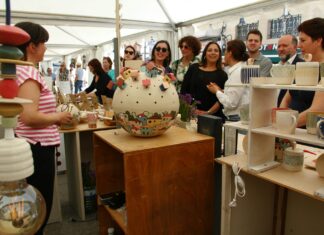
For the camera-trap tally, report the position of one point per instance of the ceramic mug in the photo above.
(307, 73)
(322, 73)
(283, 74)
(320, 165)
(244, 114)
(273, 115)
(286, 121)
(248, 71)
(293, 159)
(320, 127)
(311, 121)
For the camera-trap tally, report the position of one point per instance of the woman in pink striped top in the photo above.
(38, 121)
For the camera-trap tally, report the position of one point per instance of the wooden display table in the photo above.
(168, 181)
(78, 148)
(256, 211)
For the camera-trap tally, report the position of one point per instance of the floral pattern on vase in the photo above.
(144, 108)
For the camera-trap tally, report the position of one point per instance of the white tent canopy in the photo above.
(80, 24)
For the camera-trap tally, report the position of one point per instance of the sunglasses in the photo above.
(129, 52)
(158, 49)
(184, 47)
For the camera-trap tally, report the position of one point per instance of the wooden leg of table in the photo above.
(74, 173)
(226, 198)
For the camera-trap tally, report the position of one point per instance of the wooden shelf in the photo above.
(118, 218)
(237, 125)
(305, 181)
(290, 87)
(300, 135)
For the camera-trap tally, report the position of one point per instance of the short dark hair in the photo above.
(192, 42)
(203, 56)
(313, 28)
(254, 31)
(238, 49)
(38, 34)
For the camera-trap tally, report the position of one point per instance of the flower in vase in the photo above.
(187, 107)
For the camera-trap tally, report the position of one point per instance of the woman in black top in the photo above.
(200, 75)
(101, 81)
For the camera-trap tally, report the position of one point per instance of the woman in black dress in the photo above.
(200, 75)
(101, 81)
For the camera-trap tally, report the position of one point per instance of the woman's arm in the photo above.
(317, 105)
(30, 89)
(286, 100)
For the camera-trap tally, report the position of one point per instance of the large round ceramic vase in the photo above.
(145, 106)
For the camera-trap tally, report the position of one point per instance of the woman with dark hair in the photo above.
(198, 76)
(130, 53)
(232, 98)
(311, 41)
(38, 121)
(190, 47)
(107, 67)
(160, 57)
(101, 81)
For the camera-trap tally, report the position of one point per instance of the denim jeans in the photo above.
(78, 86)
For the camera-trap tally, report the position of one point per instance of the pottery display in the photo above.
(145, 105)
(293, 159)
(75, 112)
(320, 165)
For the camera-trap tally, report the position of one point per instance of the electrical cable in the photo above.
(239, 184)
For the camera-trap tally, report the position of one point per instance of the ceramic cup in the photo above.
(273, 115)
(248, 71)
(311, 121)
(307, 73)
(320, 127)
(244, 114)
(283, 74)
(322, 73)
(286, 121)
(293, 159)
(320, 165)
(92, 119)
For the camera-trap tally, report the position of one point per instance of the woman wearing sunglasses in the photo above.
(160, 57)
(190, 47)
(129, 54)
(200, 75)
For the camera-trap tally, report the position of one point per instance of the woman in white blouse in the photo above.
(232, 98)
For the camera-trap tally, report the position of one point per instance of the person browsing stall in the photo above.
(232, 98)
(253, 44)
(311, 41)
(101, 83)
(160, 57)
(287, 52)
(199, 75)
(190, 47)
(107, 67)
(38, 121)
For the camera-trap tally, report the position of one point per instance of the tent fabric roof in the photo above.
(78, 24)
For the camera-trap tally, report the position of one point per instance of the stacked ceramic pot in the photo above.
(22, 207)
